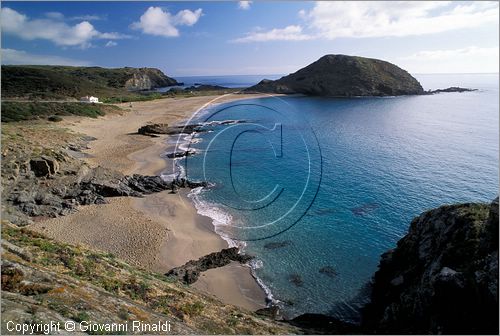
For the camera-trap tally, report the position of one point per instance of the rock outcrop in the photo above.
(44, 189)
(190, 271)
(450, 89)
(44, 166)
(153, 129)
(147, 79)
(344, 76)
(442, 278)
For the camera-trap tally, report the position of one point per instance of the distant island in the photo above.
(348, 76)
(345, 76)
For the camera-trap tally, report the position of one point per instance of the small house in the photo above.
(89, 99)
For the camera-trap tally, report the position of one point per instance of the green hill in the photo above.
(60, 82)
(344, 76)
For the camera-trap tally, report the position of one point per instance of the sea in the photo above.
(318, 188)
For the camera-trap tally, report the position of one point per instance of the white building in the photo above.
(89, 99)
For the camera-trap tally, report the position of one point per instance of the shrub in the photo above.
(54, 118)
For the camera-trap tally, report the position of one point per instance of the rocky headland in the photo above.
(441, 278)
(348, 76)
(147, 79)
(68, 82)
(344, 76)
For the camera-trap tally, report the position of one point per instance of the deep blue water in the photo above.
(336, 182)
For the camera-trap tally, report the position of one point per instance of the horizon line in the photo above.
(416, 73)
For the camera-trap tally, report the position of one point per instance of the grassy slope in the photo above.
(18, 111)
(70, 282)
(62, 82)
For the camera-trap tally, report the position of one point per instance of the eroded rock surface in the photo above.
(190, 272)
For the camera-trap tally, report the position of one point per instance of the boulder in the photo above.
(153, 129)
(44, 166)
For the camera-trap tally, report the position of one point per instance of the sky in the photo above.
(237, 38)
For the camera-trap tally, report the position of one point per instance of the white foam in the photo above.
(221, 220)
(179, 172)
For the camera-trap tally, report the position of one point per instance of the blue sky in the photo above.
(221, 38)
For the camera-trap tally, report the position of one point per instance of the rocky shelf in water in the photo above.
(448, 90)
(190, 271)
(155, 129)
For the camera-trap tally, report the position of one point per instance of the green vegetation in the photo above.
(61, 82)
(17, 111)
(54, 118)
(192, 309)
(132, 98)
(87, 285)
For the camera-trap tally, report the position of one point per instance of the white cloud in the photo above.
(396, 18)
(462, 60)
(448, 54)
(289, 33)
(60, 16)
(54, 30)
(54, 15)
(159, 22)
(357, 19)
(187, 17)
(244, 4)
(111, 44)
(113, 36)
(13, 56)
(91, 17)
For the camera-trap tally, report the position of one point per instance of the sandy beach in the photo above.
(159, 231)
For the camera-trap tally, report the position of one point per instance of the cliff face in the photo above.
(345, 76)
(147, 79)
(442, 277)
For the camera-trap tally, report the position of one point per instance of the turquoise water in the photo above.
(306, 183)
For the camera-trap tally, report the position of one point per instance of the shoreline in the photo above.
(161, 230)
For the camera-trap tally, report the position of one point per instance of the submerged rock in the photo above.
(277, 245)
(329, 271)
(365, 209)
(296, 279)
